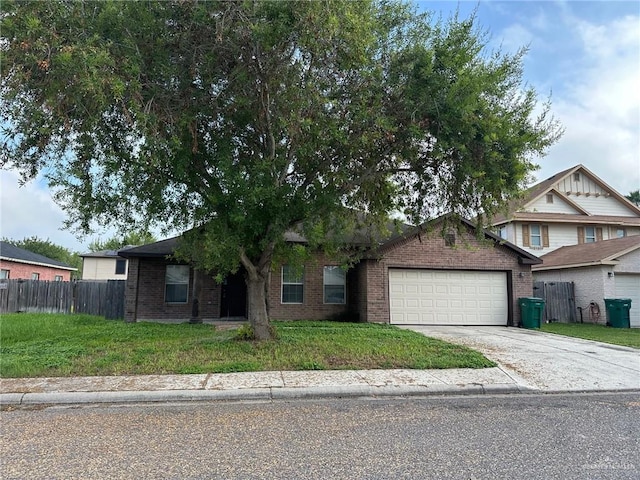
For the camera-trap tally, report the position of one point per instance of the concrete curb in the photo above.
(252, 394)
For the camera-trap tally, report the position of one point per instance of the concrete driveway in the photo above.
(546, 361)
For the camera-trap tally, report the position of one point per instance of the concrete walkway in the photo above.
(548, 362)
(529, 361)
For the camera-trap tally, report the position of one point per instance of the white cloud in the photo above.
(29, 211)
(600, 104)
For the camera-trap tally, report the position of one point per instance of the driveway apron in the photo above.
(547, 361)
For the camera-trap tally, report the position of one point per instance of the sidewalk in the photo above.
(258, 386)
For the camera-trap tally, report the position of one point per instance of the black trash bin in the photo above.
(531, 309)
(618, 312)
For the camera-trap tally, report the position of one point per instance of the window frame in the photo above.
(123, 263)
(5, 274)
(343, 284)
(58, 278)
(549, 198)
(35, 276)
(590, 238)
(535, 235)
(185, 283)
(289, 282)
(620, 231)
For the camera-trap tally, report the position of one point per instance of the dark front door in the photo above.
(234, 296)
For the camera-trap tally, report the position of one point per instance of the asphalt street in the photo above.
(527, 436)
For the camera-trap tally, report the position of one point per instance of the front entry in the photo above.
(233, 301)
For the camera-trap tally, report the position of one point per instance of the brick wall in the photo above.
(430, 251)
(145, 293)
(367, 284)
(313, 306)
(24, 271)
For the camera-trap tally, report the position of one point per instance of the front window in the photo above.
(121, 266)
(176, 284)
(535, 236)
(35, 276)
(4, 274)
(334, 285)
(292, 285)
(58, 278)
(589, 234)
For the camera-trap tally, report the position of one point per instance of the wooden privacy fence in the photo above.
(560, 301)
(95, 298)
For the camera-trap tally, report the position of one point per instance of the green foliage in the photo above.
(634, 197)
(250, 119)
(116, 243)
(49, 250)
(628, 337)
(245, 332)
(42, 345)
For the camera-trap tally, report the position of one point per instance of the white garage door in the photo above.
(448, 297)
(628, 286)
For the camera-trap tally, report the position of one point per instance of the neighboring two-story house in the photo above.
(570, 208)
(585, 233)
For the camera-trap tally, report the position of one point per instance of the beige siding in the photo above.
(100, 269)
(558, 206)
(602, 205)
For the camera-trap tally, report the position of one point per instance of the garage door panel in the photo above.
(448, 297)
(628, 286)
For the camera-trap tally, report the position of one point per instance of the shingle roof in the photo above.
(604, 252)
(162, 248)
(535, 191)
(166, 247)
(106, 253)
(16, 254)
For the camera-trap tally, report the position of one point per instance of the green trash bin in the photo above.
(618, 312)
(531, 309)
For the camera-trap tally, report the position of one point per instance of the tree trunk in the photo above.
(256, 295)
(257, 284)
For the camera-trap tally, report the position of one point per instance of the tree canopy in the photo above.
(238, 121)
(634, 197)
(117, 242)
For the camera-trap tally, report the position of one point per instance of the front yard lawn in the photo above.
(54, 345)
(628, 337)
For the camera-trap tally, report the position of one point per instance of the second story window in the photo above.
(621, 232)
(535, 236)
(589, 234)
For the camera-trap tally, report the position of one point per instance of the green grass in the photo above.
(628, 337)
(51, 345)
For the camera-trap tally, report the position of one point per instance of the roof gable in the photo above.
(573, 183)
(524, 257)
(12, 253)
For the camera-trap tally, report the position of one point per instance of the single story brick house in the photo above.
(19, 264)
(416, 277)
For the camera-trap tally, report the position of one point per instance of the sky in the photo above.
(584, 55)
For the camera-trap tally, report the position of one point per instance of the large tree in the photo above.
(238, 121)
